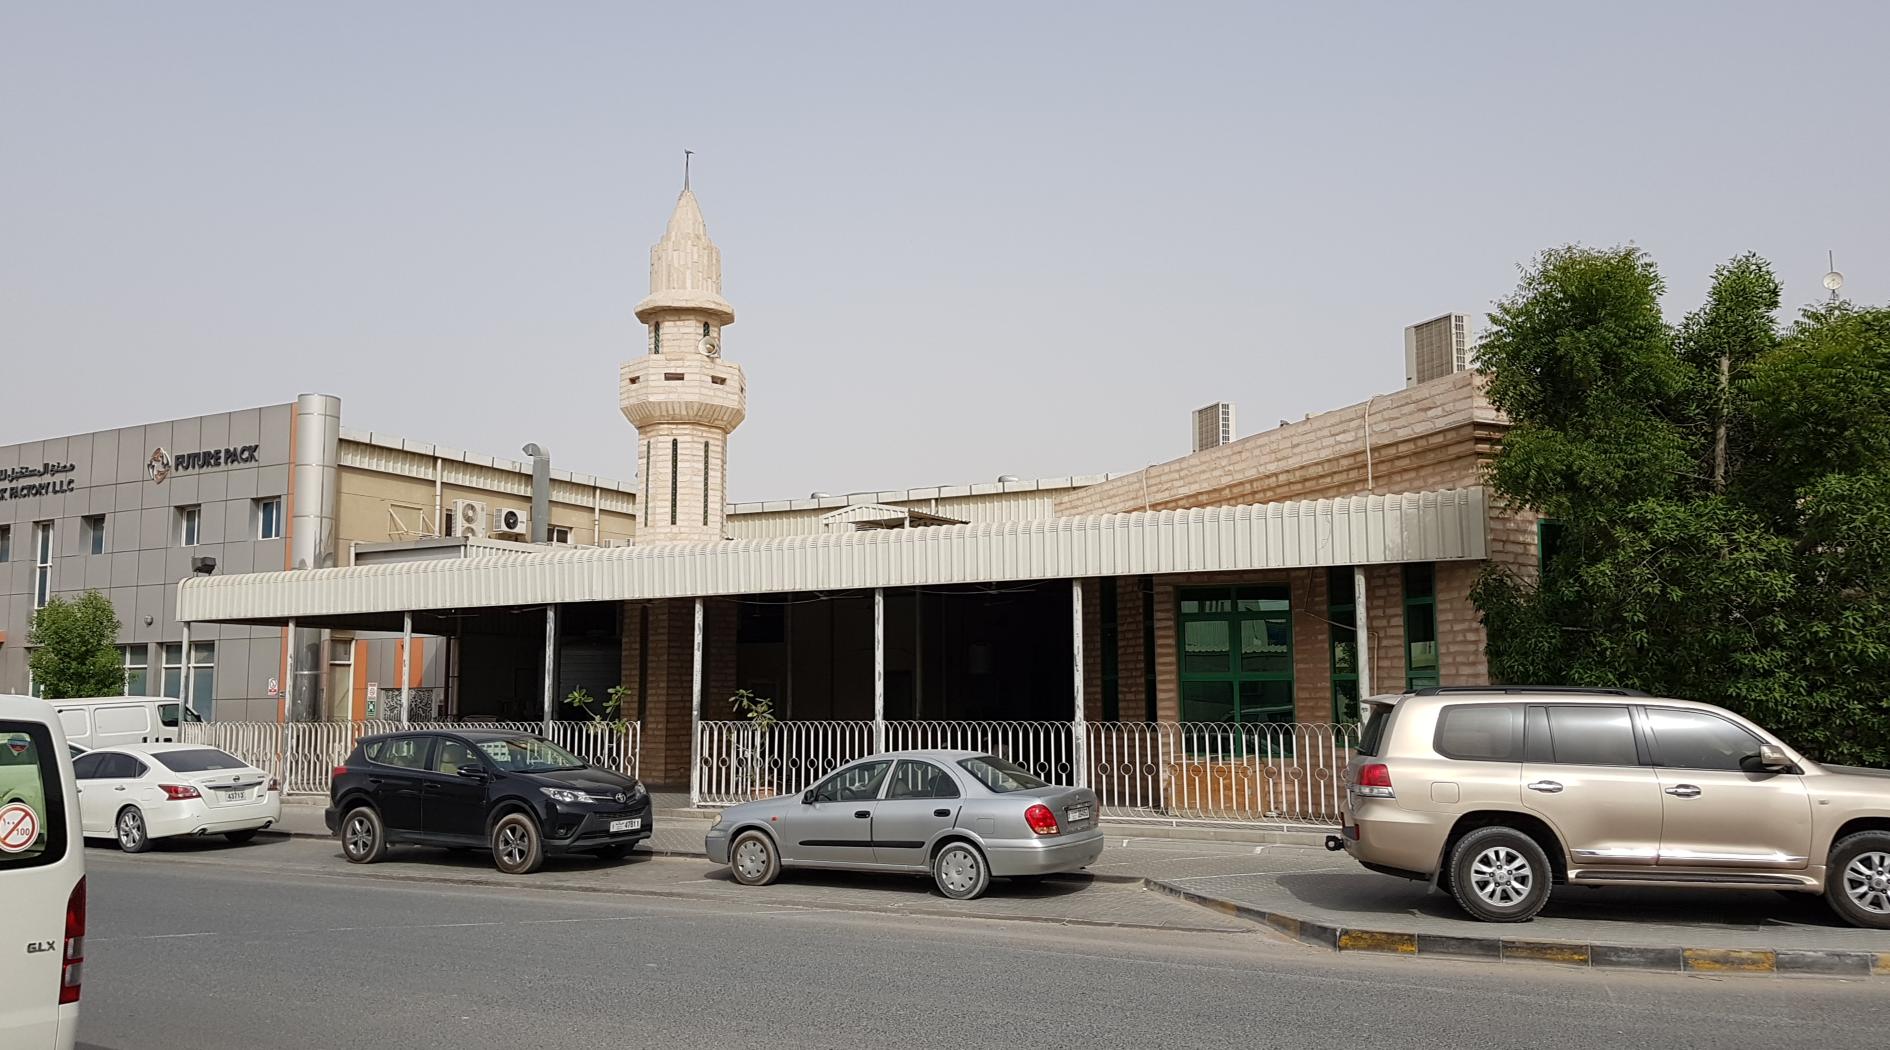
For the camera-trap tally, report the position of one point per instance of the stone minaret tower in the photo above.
(682, 397)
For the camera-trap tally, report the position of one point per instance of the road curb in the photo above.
(1565, 953)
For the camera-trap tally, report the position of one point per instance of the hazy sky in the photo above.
(962, 240)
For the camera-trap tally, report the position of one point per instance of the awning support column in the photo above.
(1361, 640)
(695, 716)
(183, 688)
(879, 670)
(1079, 730)
(406, 666)
(551, 666)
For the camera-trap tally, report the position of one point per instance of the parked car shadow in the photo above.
(904, 885)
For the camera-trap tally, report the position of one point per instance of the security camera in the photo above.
(203, 566)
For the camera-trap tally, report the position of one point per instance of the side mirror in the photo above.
(807, 797)
(1773, 760)
(474, 773)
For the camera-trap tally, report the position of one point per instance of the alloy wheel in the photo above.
(360, 837)
(130, 829)
(1501, 876)
(513, 845)
(1867, 882)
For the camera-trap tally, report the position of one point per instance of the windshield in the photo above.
(528, 754)
(199, 760)
(1000, 776)
(167, 714)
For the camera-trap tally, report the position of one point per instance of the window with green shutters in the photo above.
(1236, 658)
(1420, 625)
(1341, 616)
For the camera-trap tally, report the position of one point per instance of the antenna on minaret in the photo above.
(686, 154)
(1833, 280)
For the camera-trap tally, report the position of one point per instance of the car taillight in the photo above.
(1041, 820)
(73, 971)
(339, 771)
(1374, 781)
(274, 785)
(179, 792)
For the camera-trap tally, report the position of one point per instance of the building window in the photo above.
(1341, 612)
(6, 543)
(202, 671)
(1236, 654)
(341, 677)
(137, 669)
(1420, 626)
(189, 525)
(560, 534)
(42, 563)
(1109, 626)
(92, 530)
(656, 337)
(269, 518)
(705, 484)
(675, 455)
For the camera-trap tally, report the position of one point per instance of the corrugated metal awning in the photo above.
(1448, 525)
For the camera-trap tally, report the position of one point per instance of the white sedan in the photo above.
(140, 792)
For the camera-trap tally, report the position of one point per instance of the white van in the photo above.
(42, 881)
(109, 721)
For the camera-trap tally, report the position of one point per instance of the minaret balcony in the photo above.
(683, 388)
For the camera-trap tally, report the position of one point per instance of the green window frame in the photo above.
(1342, 620)
(1422, 666)
(1235, 654)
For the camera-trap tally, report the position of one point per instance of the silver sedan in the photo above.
(962, 816)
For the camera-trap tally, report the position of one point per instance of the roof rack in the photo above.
(1527, 690)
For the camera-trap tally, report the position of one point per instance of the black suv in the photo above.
(519, 795)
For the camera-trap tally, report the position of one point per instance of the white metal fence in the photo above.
(303, 755)
(1170, 771)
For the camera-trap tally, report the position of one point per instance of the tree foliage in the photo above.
(1757, 577)
(75, 648)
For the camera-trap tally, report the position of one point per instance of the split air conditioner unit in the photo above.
(469, 519)
(510, 521)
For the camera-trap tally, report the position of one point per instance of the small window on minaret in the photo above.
(656, 337)
(705, 328)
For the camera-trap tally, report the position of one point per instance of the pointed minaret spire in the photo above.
(686, 267)
(686, 154)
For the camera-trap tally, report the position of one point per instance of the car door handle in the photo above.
(862, 813)
(1547, 787)
(120, 787)
(941, 812)
(1684, 791)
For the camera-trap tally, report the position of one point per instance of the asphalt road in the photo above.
(188, 955)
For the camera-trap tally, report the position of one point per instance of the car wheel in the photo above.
(133, 836)
(517, 848)
(1857, 881)
(960, 872)
(363, 839)
(1500, 875)
(240, 837)
(752, 859)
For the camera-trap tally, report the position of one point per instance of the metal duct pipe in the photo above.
(541, 492)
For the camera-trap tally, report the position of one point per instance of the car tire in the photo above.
(133, 835)
(613, 852)
(1500, 875)
(753, 860)
(363, 837)
(960, 872)
(240, 837)
(1857, 880)
(517, 847)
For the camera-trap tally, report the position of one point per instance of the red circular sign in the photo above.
(19, 827)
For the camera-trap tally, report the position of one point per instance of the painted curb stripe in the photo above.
(1729, 960)
(1377, 941)
(1547, 951)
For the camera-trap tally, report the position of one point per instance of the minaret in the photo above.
(682, 397)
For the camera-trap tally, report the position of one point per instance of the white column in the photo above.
(879, 670)
(406, 665)
(551, 666)
(1079, 731)
(1362, 640)
(695, 716)
(288, 713)
(183, 688)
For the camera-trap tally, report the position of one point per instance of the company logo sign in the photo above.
(163, 464)
(52, 486)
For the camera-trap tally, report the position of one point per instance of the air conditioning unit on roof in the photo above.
(469, 519)
(511, 521)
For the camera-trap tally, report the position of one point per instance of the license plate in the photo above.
(235, 796)
(1077, 814)
(633, 824)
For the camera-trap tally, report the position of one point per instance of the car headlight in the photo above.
(565, 795)
(637, 792)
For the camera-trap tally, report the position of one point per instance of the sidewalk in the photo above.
(1326, 899)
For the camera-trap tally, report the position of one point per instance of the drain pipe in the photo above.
(541, 491)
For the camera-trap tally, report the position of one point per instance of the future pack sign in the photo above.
(163, 464)
(15, 483)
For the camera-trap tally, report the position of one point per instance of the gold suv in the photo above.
(1496, 794)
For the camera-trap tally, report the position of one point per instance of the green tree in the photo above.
(75, 648)
(1720, 492)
